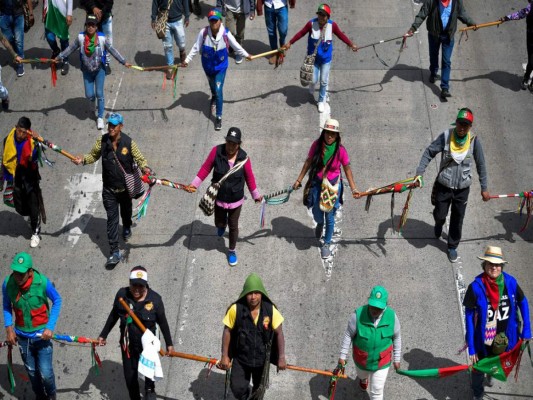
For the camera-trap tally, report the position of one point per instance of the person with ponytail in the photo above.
(324, 189)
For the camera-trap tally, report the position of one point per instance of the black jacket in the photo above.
(112, 175)
(105, 5)
(178, 8)
(430, 10)
(150, 311)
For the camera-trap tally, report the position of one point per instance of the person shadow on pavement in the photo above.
(512, 222)
(14, 225)
(451, 387)
(347, 389)
(411, 74)
(209, 386)
(504, 79)
(294, 232)
(109, 384)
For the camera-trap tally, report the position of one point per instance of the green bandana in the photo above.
(328, 151)
(459, 140)
(253, 284)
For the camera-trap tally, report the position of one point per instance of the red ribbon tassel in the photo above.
(54, 75)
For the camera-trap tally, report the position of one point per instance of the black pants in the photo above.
(27, 204)
(458, 199)
(240, 379)
(529, 66)
(230, 218)
(112, 201)
(130, 372)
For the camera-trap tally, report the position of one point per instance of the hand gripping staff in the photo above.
(280, 52)
(526, 200)
(396, 187)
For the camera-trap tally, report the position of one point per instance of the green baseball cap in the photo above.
(378, 297)
(22, 262)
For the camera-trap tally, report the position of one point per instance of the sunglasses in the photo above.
(91, 24)
(322, 14)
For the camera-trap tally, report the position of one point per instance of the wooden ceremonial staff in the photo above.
(381, 41)
(136, 319)
(37, 60)
(314, 371)
(485, 25)
(158, 68)
(266, 54)
(504, 196)
(54, 147)
(386, 189)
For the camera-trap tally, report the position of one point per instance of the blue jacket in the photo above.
(476, 318)
(324, 52)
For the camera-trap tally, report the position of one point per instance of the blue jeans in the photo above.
(435, 43)
(321, 72)
(51, 39)
(176, 31)
(107, 29)
(13, 29)
(92, 81)
(318, 215)
(37, 357)
(277, 19)
(216, 84)
(4, 94)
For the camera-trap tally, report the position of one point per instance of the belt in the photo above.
(117, 190)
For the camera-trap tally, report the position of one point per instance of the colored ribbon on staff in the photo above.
(55, 148)
(163, 68)
(142, 206)
(51, 61)
(526, 201)
(403, 45)
(396, 187)
(337, 372)
(275, 198)
(96, 362)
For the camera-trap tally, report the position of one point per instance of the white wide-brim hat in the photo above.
(493, 254)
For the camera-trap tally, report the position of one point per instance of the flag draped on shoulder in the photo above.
(55, 12)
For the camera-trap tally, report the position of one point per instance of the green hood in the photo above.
(253, 284)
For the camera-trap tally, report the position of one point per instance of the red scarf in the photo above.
(494, 289)
(89, 45)
(25, 287)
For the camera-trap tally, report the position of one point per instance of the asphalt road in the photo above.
(387, 116)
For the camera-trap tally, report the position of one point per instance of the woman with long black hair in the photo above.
(324, 197)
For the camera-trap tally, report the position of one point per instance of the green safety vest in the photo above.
(31, 307)
(372, 346)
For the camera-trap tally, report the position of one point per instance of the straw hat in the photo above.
(494, 255)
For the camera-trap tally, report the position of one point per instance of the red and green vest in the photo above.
(31, 307)
(372, 346)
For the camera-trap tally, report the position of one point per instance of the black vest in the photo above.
(529, 22)
(248, 341)
(112, 175)
(232, 189)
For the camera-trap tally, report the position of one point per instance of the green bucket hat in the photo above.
(22, 262)
(378, 297)
(253, 284)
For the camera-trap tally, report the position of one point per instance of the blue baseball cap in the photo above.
(115, 119)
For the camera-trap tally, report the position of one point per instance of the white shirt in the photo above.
(275, 3)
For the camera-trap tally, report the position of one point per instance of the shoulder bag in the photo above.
(207, 202)
(28, 23)
(161, 22)
(307, 68)
(134, 184)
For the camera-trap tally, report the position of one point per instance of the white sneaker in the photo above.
(35, 240)
(321, 107)
(100, 123)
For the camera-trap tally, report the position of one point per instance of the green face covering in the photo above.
(459, 140)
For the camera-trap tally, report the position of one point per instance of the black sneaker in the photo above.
(523, 85)
(126, 233)
(113, 260)
(149, 394)
(452, 255)
(444, 94)
(108, 69)
(64, 69)
(5, 104)
(438, 231)
(20, 70)
(218, 124)
(433, 78)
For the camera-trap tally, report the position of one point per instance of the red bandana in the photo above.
(24, 288)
